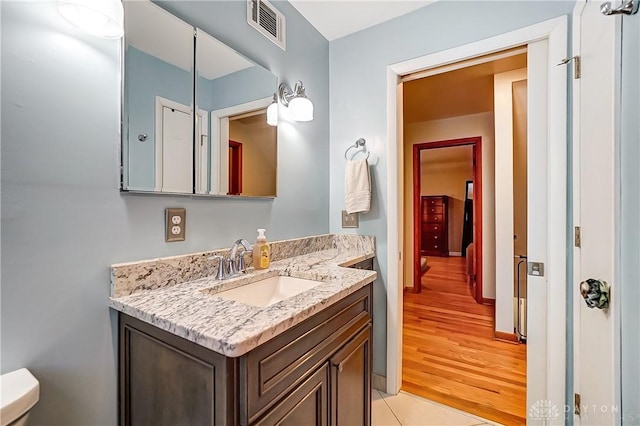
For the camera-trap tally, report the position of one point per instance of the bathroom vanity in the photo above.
(188, 356)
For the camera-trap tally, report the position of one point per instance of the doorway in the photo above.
(545, 42)
(235, 167)
(450, 352)
(447, 207)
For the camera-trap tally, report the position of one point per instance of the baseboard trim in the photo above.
(508, 337)
(491, 302)
(455, 253)
(378, 382)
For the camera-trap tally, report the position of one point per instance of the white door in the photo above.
(596, 100)
(175, 169)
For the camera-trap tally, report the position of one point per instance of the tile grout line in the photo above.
(390, 409)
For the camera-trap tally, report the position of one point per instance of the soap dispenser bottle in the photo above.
(261, 251)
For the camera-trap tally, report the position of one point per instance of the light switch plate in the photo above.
(350, 220)
(175, 224)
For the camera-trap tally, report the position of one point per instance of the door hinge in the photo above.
(535, 269)
(400, 256)
(577, 241)
(576, 65)
(576, 403)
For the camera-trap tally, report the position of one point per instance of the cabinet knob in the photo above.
(435, 246)
(436, 237)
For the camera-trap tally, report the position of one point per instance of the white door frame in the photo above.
(202, 151)
(220, 132)
(550, 380)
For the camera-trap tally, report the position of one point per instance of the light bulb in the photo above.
(272, 114)
(301, 109)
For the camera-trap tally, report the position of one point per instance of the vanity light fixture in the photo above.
(296, 100)
(102, 18)
(272, 112)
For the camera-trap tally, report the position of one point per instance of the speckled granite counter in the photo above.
(192, 311)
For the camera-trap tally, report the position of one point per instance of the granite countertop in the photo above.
(192, 311)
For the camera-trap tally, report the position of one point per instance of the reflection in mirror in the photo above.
(235, 149)
(252, 155)
(157, 145)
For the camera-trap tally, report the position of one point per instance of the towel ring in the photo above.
(359, 144)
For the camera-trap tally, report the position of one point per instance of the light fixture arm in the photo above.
(286, 94)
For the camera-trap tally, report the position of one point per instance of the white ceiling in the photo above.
(158, 33)
(338, 18)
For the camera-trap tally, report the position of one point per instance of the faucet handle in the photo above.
(221, 269)
(240, 265)
(231, 266)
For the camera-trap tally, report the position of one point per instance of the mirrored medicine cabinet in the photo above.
(194, 111)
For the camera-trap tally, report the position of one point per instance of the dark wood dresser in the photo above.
(434, 225)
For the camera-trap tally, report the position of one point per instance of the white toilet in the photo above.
(19, 392)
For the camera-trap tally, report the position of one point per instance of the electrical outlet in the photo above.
(350, 220)
(175, 224)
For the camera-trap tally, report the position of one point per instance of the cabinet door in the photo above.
(351, 382)
(165, 380)
(305, 405)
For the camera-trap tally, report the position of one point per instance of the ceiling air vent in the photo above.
(265, 18)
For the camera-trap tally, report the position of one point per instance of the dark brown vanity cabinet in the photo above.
(317, 373)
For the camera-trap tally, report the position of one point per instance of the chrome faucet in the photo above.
(236, 257)
(229, 266)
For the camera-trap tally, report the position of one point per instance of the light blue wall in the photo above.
(357, 68)
(241, 87)
(629, 292)
(148, 77)
(63, 219)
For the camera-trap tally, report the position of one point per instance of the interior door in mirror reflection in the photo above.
(174, 147)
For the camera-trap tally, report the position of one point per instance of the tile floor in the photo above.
(406, 409)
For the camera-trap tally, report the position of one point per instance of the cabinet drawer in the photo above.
(432, 238)
(433, 218)
(432, 247)
(430, 202)
(276, 367)
(432, 210)
(432, 227)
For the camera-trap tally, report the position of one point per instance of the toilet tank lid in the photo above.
(19, 391)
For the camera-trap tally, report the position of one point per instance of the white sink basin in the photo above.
(268, 291)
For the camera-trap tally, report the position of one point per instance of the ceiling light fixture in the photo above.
(101, 18)
(296, 100)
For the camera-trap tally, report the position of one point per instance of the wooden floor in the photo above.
(449, 354)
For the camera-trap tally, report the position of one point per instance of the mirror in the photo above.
(157, 137)
(232, 94)
(216, 144)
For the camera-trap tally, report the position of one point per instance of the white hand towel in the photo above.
(357, 186)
